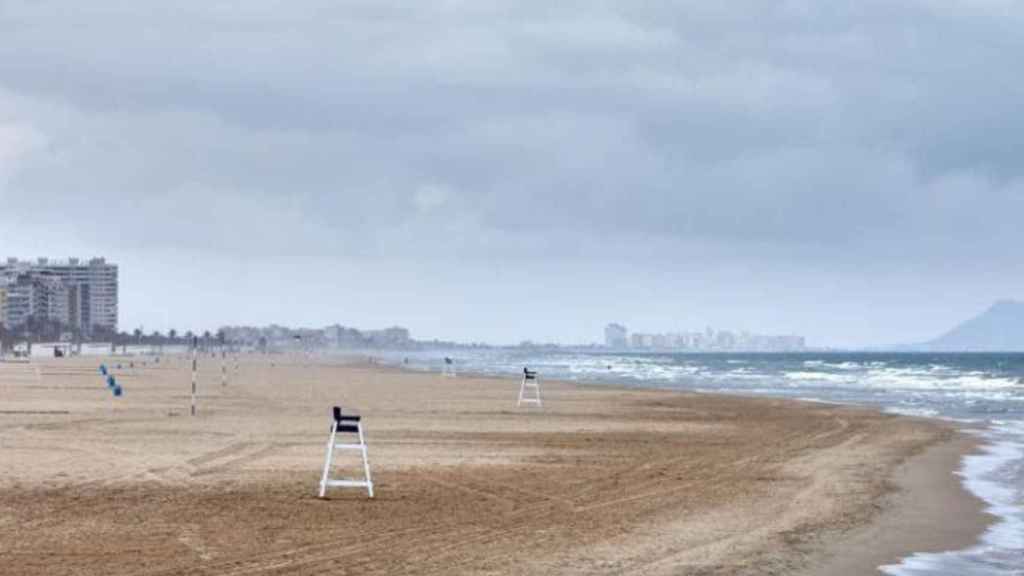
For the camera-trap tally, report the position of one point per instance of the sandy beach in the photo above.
(601, 480)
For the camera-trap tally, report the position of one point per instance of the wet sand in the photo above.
(600, 480)
(927, 511)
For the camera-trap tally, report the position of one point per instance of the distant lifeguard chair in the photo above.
(529, 390)
(345, 424)
(449, 367)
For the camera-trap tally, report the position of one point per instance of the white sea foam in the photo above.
(740, 375)
(932, 378)
(911, 378)
(821, 401)
(913, 411)
(803, 375)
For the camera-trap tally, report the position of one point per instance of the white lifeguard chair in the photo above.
(345, 424)
(449, 367)
(529, 390)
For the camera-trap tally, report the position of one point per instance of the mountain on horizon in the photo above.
(1000, 328)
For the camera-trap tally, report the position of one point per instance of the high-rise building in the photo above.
(615, 336)
(80, 295)
(636, 340)
(18, 301)
(3, 300)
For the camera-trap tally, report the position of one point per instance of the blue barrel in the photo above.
(111, 383)
(118, 391)
(103, 369)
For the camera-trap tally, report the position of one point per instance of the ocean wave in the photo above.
(909, 378)
(912, 411)
(819, 377)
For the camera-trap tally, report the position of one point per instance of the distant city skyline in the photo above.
(617, 336)
(80, 297)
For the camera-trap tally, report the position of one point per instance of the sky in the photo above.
(500, 171)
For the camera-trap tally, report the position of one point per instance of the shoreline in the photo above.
(602, 479)
(926, 491)
(915, 517)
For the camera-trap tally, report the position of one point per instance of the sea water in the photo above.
(986, 390)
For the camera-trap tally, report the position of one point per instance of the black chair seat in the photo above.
(340, 419)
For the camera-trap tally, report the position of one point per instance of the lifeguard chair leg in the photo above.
(329, 461)
(366, 463)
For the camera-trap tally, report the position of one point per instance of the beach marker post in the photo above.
(195, 352)
(351, 425)
(530, 383)
(223, 368)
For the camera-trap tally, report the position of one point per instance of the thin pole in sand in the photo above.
(223, 368)
(195, 347)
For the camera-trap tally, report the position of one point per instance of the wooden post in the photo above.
(195, 351)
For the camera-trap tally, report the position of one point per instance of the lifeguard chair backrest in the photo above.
(340, 419)
(529, 375)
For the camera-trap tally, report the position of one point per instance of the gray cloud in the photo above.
(724, 163)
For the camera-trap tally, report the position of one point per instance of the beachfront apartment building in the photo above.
(80, 295)
(17, 301)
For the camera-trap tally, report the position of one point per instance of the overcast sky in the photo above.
(849, 171)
